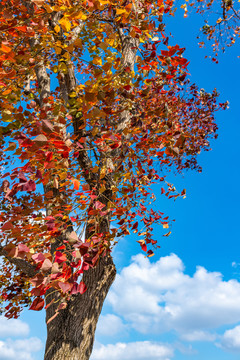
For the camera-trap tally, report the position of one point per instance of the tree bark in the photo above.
(70, 335)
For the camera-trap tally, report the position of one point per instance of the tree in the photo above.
(95, 106)
(221, 23)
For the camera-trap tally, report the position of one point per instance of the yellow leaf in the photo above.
(165, 226)
(63, 67)
(120, 11)
(48, 8)
(57, 28)
(56, 8)
(102, 173)
(80, 15)
(110, 41)
(65, 23)
(97, 61)
(102, 189)
(127, 175)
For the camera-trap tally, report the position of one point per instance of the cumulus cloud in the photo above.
(141, 350)
(110, 325)
(230, 340)
(198, 335)
(13, 327)
(159, 297)
(19, 349)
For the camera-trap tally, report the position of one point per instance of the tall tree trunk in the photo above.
(70, 335)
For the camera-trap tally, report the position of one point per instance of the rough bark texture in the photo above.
(71, 333)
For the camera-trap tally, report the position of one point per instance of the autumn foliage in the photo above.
(95, 106)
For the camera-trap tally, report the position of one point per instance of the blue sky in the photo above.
(184, 302)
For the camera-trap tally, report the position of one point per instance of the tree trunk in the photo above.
(70, 335)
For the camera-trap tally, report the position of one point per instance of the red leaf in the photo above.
(143, 246)
(37, 304)
(137, 29)
(74, 289)
(37, 280)
(39, 257)
(38, 174)
(85, 266)
(7, 226)
(82, 287)
(99, 205)
(23, 248)
(29, 186)
(61, 247)
(143, 207)
(64, 286)
(84, 248)
(135, 226)
(60, 257)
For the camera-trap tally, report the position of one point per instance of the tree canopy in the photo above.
(96, 106)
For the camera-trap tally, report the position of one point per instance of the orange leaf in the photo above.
(38, 2)
(76, 184)
(5, 48)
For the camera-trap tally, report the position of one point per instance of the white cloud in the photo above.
(141, 350)
(19, 349)
(231, 340)
(198, 335)
(159, 297)
(13, 327)
(110, 325)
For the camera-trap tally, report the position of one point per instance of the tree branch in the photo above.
(21, 264)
